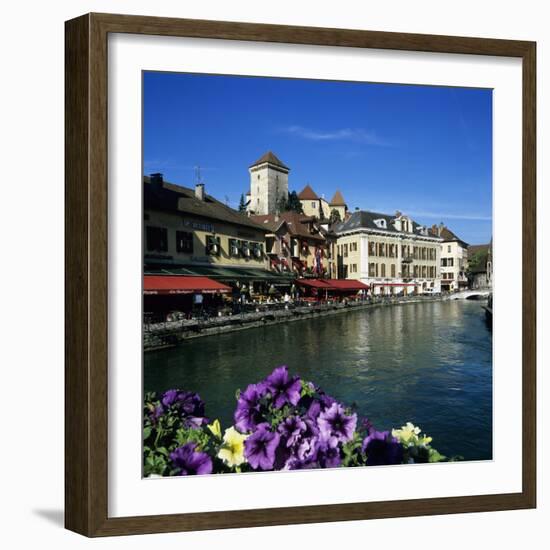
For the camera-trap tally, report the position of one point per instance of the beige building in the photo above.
(319, 207)
(296, 244)
(313, 205)
(187, 228)
(454, 259)
(392, 254)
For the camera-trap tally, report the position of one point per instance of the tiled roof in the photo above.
(298, 224)
(337, 199)
(308, 194)
(167, 196)
(446, 234)
(364, 219)
(271, 158)
(268, 221)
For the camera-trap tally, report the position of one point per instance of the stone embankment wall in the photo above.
(163, 335)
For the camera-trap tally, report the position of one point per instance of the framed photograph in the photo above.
(300, 275)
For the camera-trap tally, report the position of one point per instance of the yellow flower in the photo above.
(215, 428)
(409, 433)
(232, 449)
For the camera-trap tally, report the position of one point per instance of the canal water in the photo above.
(428, 363)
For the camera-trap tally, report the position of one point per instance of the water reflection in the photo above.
(428, 363)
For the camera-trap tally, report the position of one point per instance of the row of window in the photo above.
(448, 275)
(379, 270)
(390, 250)
(344, 249)
(447, 262)
(157, 241)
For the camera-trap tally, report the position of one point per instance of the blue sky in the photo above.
(426, 151)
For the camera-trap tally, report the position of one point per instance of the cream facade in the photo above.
(454, 262)
(392, 254)
(187, 227)
(319, 207)
(187, 239)
(454, 259)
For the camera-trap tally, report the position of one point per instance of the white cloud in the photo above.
(444, 216)
(359, 135)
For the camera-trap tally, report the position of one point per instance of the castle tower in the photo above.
(339, 204)
(268, 183)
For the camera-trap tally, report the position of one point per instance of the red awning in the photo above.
(334, 284)
(346, 284)
(314, 283)
(177, 284)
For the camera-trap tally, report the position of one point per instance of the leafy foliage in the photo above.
(335, 216)
(242, 204)
(290, 203)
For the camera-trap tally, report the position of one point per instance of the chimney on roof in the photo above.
(441, 228)
(156, 178)
(398, 214)
(199, 191)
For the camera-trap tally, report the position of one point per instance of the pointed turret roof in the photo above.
(308, 194)
(270, 158)
(337, 199)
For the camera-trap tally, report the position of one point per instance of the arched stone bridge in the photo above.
(470, 294)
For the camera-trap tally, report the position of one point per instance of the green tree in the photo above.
(242, 204)
(335, 216)
(477, 261)
(293, 203)
(282, 204)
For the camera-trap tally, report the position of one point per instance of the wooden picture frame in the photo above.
(86, 283)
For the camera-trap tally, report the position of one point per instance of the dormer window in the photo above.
(381, 223)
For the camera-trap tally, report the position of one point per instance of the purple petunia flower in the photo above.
(366, 425)
(260, 447)
(291, 430)
(247, 414)
(170, 397)
(336, 426)
(156, 413)
(315, 405)
(328, 457)
(187, 461)
(382, 448)
(282, 388)
(188, 404)
(299, 442)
